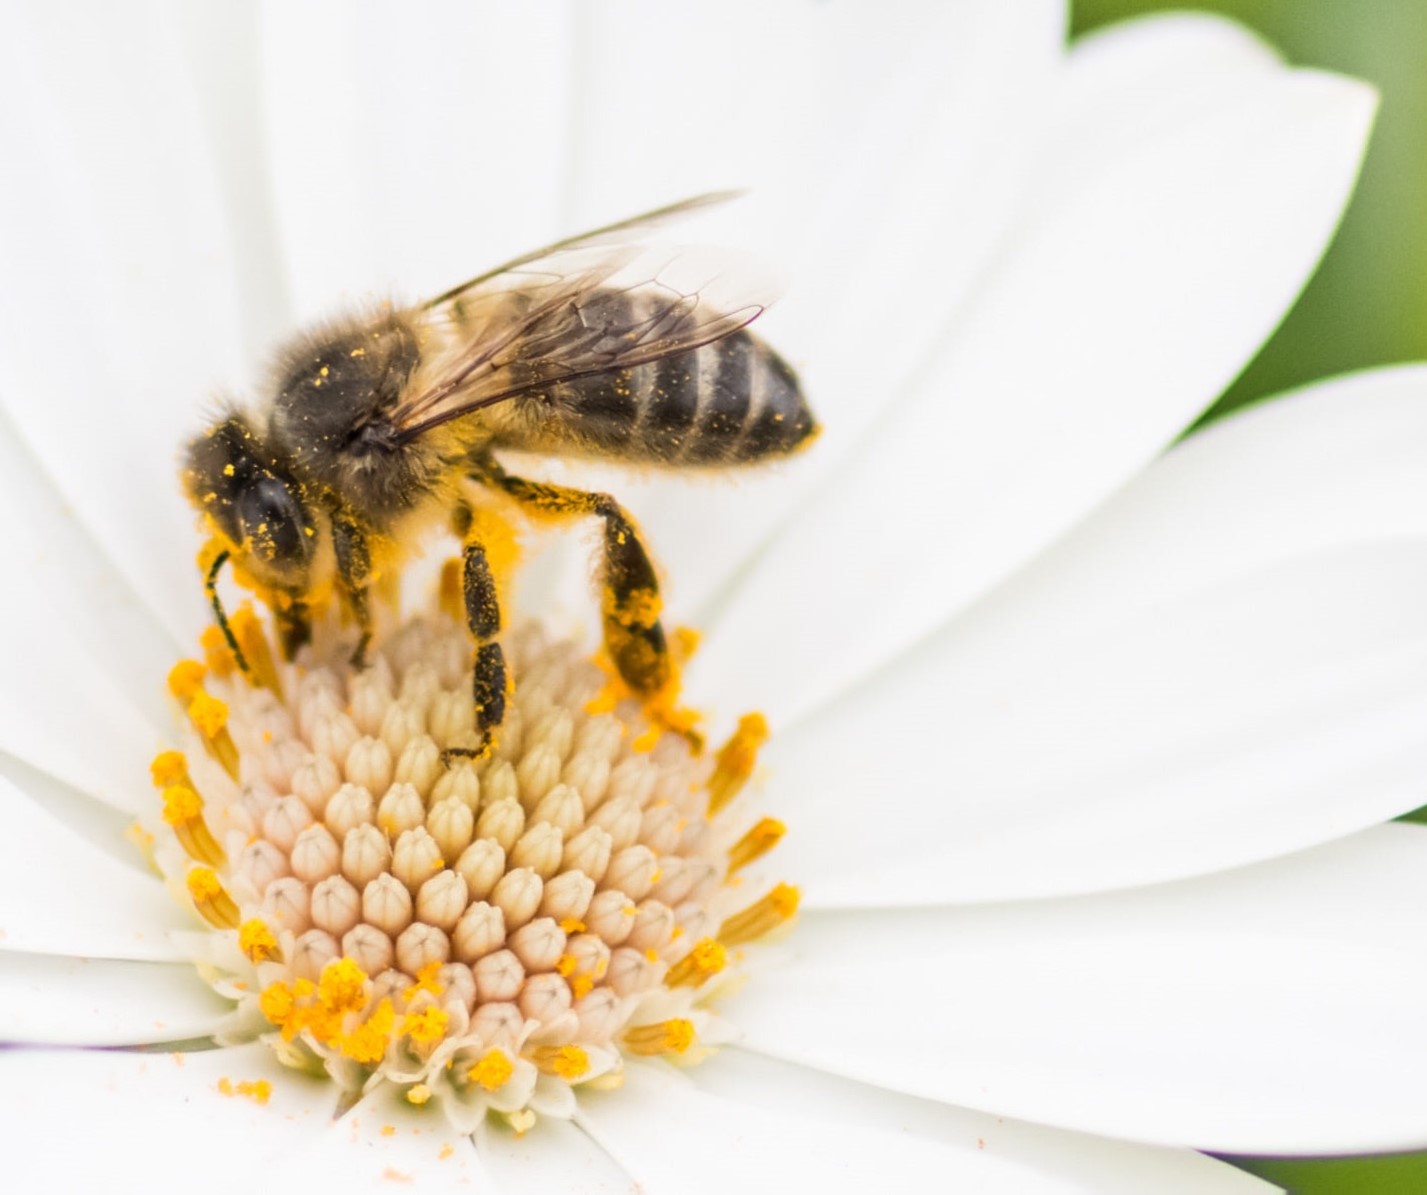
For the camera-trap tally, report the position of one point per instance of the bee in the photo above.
(375, 426)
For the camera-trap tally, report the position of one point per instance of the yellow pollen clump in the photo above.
(664, 1037)
(342, 985)
(418, 1094)
(257, 1090)
(216, 652)
(257, 942)
(185, 679)
(708, 957)
(209, 715)
(427, 1027)
(426, 981)
(169, 768)
(568, 1062)
(493, 1070)
(369, 1041)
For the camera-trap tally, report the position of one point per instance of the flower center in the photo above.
(491, 933)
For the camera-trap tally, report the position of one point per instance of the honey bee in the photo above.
(375, 426)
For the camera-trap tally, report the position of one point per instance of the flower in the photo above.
(1080, 750)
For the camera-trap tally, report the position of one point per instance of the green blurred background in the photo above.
(1367, 305)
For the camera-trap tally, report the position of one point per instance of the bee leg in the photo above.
(354, 570)
(294, 626)
(491, 680)
(630, 603)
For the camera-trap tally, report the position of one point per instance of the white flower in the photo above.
(1019, 669)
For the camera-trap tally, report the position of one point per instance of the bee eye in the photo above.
(272, 522)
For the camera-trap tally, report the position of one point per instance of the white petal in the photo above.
(556, 1156)
(96, 1120)
(120, 309)
(1223, 664)
(382, 1144)
(49, 1000)
(674, 1135)
(412, 153)
(1046, 1158)
(1134, 291)
(1275, 1009)
(61, 894)
(884, 158)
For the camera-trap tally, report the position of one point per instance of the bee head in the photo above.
(253, 502)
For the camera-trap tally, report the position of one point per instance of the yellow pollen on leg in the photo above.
(493, 1070)
(707, 958)
(567, 1062)
(183, 810)
(736, 760)
(257, 942)
(211, 899)
(663, 1037)
(761, 917)
(761, 839)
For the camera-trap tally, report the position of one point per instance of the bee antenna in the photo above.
(210, 583)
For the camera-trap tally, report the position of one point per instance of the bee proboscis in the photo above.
(374, 425)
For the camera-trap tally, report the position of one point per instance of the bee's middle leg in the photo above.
(354, 572)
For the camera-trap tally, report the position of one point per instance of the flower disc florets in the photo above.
(491, 933)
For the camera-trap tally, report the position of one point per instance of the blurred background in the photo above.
(1366, 306)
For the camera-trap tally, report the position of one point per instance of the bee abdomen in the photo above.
(731, 402)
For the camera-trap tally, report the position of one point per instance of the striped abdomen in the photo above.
(731, 402)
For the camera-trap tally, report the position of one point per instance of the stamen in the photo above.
(253, 643)
(707, 958)
(761, 917)
(664, 1037)
(761, 839)
(568, 1062)
(492, 1072)
(183, 810)
(257, 942)
(211, 899)
(736, 760)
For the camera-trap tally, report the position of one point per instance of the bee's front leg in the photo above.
(354, 572)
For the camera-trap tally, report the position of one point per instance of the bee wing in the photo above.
(573, 311)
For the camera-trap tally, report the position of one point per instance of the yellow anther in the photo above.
(572, 925)
(761, 917)
(342, 986)
(663, 1037)
(211, 899)
(418, 1094)
(183, 810)
(426, 1027)
(426, 981)
(216, 652)
(566, 965)
(368, 1043)
(582, 985)
(210, 718)
(185, 679)
(736, 760)
(257, 1090)
(568, 1062)
(646, 741)
(247, 629)
(708, 957)
(277, 1002)
(257, 942)
(493, 1070)
(169, 767)
(761, 839)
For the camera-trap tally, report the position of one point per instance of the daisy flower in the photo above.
(1081, 746)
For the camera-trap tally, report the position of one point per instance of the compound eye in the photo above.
(272, 523)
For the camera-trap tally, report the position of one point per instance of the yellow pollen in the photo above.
(566, 965)
(181, 804)
(388, 1130)
(663, 1037)
(427, 1027)
(572, 925)
(277, 1003)
(257, 1090)
(208, 714)
(761, 917)
(761, 839)
(211, 899)
(492, 1071)
(169, 767)
(426, 981)
(342, 985)
(582, 985)
(216, 652)
(708, 957)
(368, 1043)
(568, 1062)
(736, 760)
(257, 942)
(418, 1094)
(185, 679)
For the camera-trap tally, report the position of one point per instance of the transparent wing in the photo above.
(590, 305)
